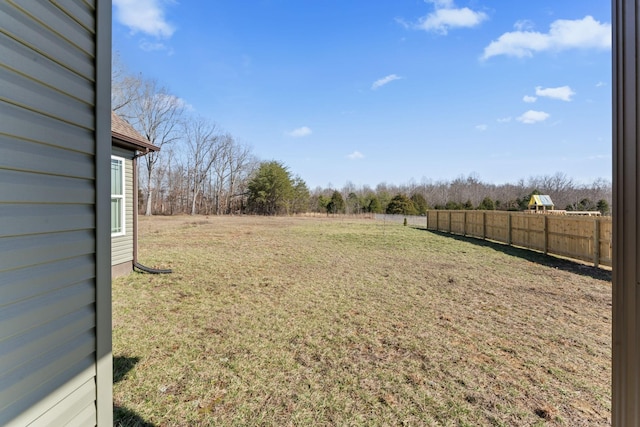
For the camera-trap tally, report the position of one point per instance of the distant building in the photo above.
(126, 146)
(540, 203)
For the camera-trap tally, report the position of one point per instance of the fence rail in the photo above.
(582, 238)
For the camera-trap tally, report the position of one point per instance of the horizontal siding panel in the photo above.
(45, 100)
(23, 124)
(20, 58)
(84, 418)
(36, 219)
(58, 22)
(46, 368)
(128, 192)
(35, 312)
(47, 206)
(21, 349)
(16, 285)
(24, 187)
(19, 416)
(77, 409)
(121, 249)
(33, 157)
(24, 389)
(80, 11)
(24, 29)
(25, 251)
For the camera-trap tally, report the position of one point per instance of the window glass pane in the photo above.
(116, 212)
(116, 177)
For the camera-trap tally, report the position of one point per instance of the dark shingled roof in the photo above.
(124, 135)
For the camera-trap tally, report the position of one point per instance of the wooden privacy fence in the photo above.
(582, 238)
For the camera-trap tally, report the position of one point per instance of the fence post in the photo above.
(484, 225)
(596, 243)
(546, 234)
(449, 222)
(464, 224)
(509, 228)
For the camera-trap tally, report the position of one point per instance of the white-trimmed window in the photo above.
(117, 196)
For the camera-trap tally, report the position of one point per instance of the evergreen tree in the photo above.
(486, 204)
(420, 203)
(401, 205)
(373, 205)
(603, 207)
(336, 204)
(453, 206)
(323, 201)
(300, 196)
(273, 191)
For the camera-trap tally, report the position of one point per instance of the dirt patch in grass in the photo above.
(312, 321)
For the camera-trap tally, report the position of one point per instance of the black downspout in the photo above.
(136, 264)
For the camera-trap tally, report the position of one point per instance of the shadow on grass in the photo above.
(121, 367)
(123, 417)
(533, 256)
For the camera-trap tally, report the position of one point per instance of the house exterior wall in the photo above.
(55, 303)
(122, 246)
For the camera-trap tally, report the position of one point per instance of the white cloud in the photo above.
(482, 127)
(446, 16)
(442, 20)
(145, 16)
(184, 104)
(529, 99)
(299, 132)
(385, 80)
(586, 33)
(355, 155)
(600, 84)
(148, 46)
(523, 25)
(504, 120)
(563, 93)
(532, 116)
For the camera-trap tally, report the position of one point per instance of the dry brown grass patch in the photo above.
(312, 321)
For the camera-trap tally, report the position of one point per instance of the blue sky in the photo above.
(389, 91)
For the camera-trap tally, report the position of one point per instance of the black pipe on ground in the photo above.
(150, 270)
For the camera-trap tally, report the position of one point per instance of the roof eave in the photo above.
(127, 142)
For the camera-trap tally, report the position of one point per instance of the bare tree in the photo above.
(124, 86)
(242, 164)
(204, 148)
(221, 172)
(156, 114)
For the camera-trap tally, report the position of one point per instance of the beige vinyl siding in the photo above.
(122, 246)
(50, 296)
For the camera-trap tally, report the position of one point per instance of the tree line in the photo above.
(201, 169)
(466, 192)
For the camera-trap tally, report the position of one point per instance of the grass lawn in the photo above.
(347, 322)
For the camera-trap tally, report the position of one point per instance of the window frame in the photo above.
(122, 197)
